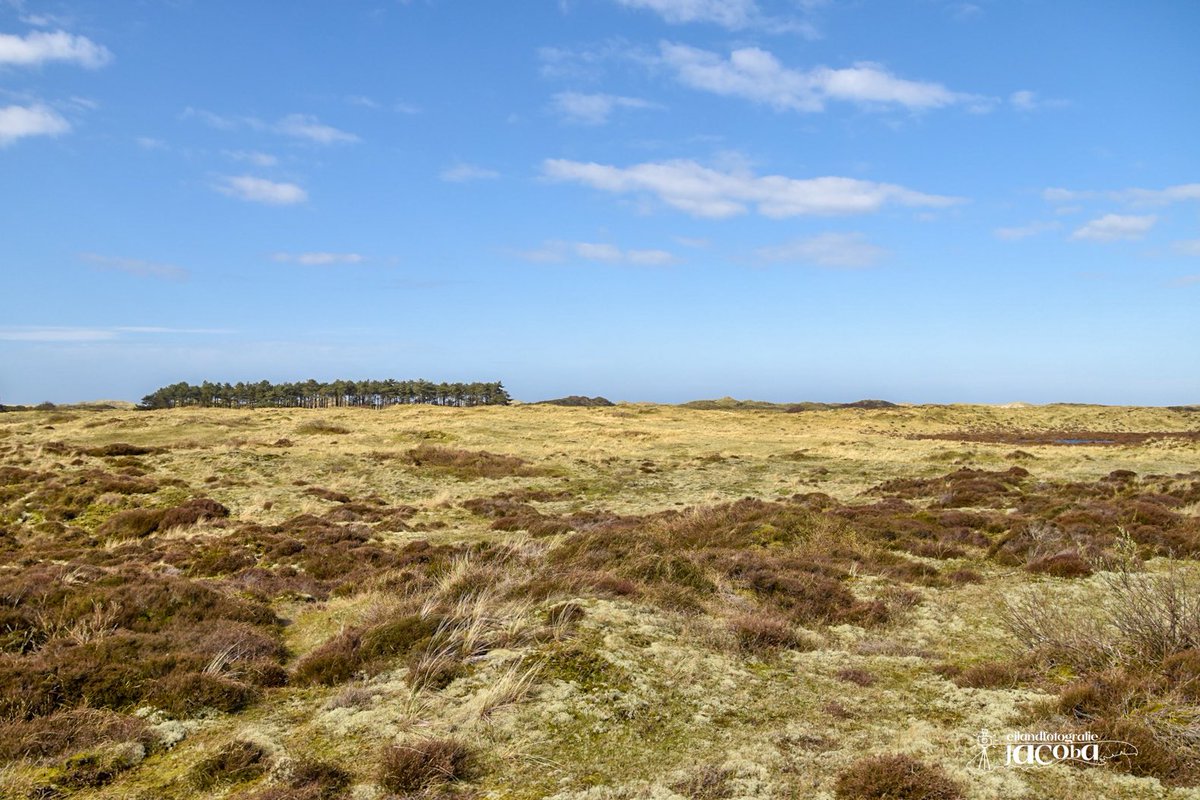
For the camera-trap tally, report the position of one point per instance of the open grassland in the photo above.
(625, 602)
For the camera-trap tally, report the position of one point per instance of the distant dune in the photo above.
(577, 400)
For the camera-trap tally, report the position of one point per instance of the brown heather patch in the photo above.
(470, 464)
(1063, 437)
(309, 779)
(895, 777)
(765, 632)
(114, 638)
(68, 732)
(425, 764)
(121, 449)
(367, 649)
(236, 762)
(322, 428)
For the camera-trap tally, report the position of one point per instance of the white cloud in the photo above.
(463, 172)
(306, 126)
(756, 75)
(40, 47)
(137, 266)
(63, 333)
(318, 259)
(839, 250)
(56, 334)
(1027, 100)
(594, 109)
(705, 192)
(212, 120)
(17, 122)
(296, 126)
(1114, 227)
(1024, 100)
(255, 157)
(150, 143)
(559, 252)
(1180, 193)
(46, 20)
(732, 15)
(581, 63)
(1025, 231)
(1187, 247)
(261, 190)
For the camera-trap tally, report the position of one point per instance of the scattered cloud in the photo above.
(295, 126)
(63, 333)
(136, 266)
(1187, 247)
(46, 20)
(593, 109)
(261, 190)
(212, 120)
(363, 101)
(1135, 197)
(584, 63)
(1115, 227)
(964, 11)
(1027, 100)
(306, 126)
(1024, 100)
(734, 15)
(557, 252)
(693, 241)
(463, 173)
(318, 259)
(836, 250)
(150, 143)
(706, 192)
(1187, 280)
(1025, 231)
(401, 107)
(755, 74)
(18, 122)
(56, 334)
(254, 157)
(40, 47)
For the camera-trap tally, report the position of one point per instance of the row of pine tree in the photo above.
(334, 394)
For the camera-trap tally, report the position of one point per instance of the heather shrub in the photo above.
(321, 427)
(470, 464)
(134, 523)
(183, 694)
(191, 512)
(427, 763)
(895, 777)
(236, 762)
(764, 632)
(66, 732)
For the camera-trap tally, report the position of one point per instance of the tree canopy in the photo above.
(313, 394)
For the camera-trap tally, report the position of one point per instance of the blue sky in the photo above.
(661, 200)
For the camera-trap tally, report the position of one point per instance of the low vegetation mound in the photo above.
(470, 464)
(577, 400)
(895, 777)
